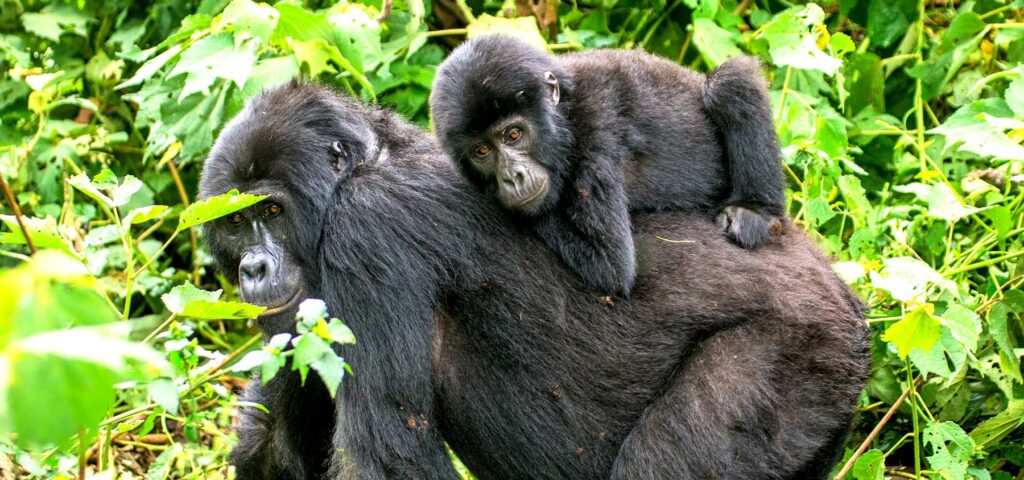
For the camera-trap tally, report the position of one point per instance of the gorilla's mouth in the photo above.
(296, 297)
(540, 191)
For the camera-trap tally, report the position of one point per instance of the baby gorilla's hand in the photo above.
(747, 226)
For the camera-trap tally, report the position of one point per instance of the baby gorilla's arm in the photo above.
(591, 232)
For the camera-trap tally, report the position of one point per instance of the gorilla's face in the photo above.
(295, 150)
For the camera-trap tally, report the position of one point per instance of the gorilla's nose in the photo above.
(255, 276)
(514, 178)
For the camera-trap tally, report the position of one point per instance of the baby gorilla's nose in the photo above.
(253, 268)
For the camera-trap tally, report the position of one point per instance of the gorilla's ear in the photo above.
(552, 84)
(340, 156)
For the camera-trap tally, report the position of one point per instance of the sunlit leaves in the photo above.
(56, 19)
(211, 208)
(188, 301)
(213, 57)
(870, 466)
(976, 128)
(715, 43)
(918, 329)
(258, 19)
(792, 39)
(523, 28)
(57, 336)
(951, 449)
(105, 189)
(907, 279)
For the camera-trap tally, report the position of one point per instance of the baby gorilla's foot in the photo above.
(748, 227)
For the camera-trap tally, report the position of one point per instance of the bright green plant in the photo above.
(901, 122)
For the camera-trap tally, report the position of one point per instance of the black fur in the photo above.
(725, 363)
(630, 132)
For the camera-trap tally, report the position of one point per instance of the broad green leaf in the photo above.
(870, 466)
(907, 279)
(856, 197)
(937, 360)
(188, 301)
(993, 430)
(943, 203)
(43, 232)
(715, 43)
(104, 187)
(964, 324)
(297, 23)
(55, 19)
(792, 38)
(148, 69)
(819, 211)
(917, 329)
(269, 73)
(58, 336)
(144, 214)
(999, 325)
(1015, 97)
(951, 449)
(969, 129)
(213, 57)
(523, 28)
(164, 392)
(315, 55)
(212, 208)
(886, 22)
(257, 19)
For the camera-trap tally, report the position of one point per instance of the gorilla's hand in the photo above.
(748, 226)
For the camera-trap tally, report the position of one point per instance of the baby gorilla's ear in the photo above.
(552, 83)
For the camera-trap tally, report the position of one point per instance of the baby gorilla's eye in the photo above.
(272, 209)
(235, 218)
(513, 134)
(481, 150)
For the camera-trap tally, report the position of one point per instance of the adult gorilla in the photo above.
(725, 363)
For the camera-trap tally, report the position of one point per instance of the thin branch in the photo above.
(193, 237)
(385, 11)
(878, 429)
(17, 212)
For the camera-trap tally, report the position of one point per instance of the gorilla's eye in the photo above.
(513, 134)
(272, 209)
(235, 218)
(482, 150)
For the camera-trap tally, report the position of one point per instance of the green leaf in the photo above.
(856, 198)
(58, 336)
(164, 392)
(994, 429)
(907, 279)
(213, 57)
(715, 43)
(943, 203)
(148, 69)
(870, 466)
(964, 324)
(104, 187)
(188, 301)
(819, 211)
(43, 231)
(257, 19)
(951, 449)
(792, 38)
(56, 19)
(886, 22)
(999, 326)
(971, 128)
(523, 28)
(1015, 97)
(937, 361)
(212, 208)
(917, 329)
(144, 214)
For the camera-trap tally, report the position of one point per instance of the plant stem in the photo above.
(194, 240)
(878, 429)
(986, 263)
(11, 202)
(450, 31)
(782, 98)
(917, 426)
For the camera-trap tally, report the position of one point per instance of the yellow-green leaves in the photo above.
(188, 301)
(523, 28)
(215, 207)
(57, 335)
(792, 39)
(918, 329)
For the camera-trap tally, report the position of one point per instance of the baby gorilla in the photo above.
(574, 143)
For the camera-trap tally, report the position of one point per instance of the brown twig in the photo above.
(17, 212)
(385, 11)
(878, 429)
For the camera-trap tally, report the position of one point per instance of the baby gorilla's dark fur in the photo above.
(725, 363)
(576, 142)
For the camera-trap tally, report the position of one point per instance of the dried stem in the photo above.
(17, 212)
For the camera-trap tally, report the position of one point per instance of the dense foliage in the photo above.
(901, 121)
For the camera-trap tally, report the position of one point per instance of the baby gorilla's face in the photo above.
(504, 155)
